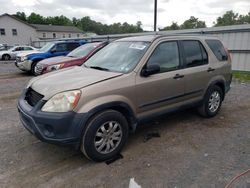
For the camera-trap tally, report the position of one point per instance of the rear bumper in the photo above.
(228, 84)
(56, 128)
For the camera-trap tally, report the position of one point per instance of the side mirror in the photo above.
(150, 69)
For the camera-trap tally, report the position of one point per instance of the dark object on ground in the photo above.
(148, 136)
(115, 158)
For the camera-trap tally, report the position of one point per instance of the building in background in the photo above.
(45, 32)
(17, 32)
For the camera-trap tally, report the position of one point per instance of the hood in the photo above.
(56, 60)
(69, 79)
(30, 52)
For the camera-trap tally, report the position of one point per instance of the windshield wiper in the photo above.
(99, 68)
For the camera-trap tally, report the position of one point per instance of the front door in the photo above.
(164, 89)
(60, 50)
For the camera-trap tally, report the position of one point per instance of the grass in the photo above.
(242, 76)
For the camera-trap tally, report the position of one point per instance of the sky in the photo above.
(131, 11)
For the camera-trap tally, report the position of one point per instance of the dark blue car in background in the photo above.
(27, 61)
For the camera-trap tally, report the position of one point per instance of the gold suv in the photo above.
(93, 107)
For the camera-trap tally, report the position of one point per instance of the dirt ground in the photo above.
(191, 152)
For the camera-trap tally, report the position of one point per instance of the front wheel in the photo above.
(32, 69)
(105, 136)
(212, 102)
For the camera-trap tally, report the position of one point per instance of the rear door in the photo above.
(222, 60)
(71, 46)
(198, 72)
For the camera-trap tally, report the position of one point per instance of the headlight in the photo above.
(23, 58)
(62, 102)
(55, 67)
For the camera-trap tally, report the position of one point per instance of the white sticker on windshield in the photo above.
(137, 46)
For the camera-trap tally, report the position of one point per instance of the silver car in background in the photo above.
(12, 52)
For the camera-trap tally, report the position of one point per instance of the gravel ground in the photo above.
(191, 151)
(7, 67)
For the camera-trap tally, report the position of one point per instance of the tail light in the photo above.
(229, 55)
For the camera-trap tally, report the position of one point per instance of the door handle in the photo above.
(210, 69)
(178, 76)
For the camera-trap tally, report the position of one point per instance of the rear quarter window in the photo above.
(218, 49)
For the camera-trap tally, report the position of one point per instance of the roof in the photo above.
(50, 28)
(56, 28)
(151, 38)
(144, 38)
(15, 18)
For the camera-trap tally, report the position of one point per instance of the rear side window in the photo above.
(72, 46)
(218, 49)
(195, 53)
(27, 48)
(19, 49)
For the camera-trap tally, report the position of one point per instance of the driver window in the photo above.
(60, 47)
(18, 49)
(166, 55)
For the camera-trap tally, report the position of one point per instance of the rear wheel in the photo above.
(212, 102)
(105, 136)
(6, 57)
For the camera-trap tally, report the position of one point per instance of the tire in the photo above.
(32, 69)
(6, 57)
(211, 102)
(103, 129)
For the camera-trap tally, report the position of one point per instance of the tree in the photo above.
(138, 25)
(21, 16)
(85, 23)
(173, 26)
(193, 23)
(34, 18)
(229, 18)
(244, 19)
(58, 20)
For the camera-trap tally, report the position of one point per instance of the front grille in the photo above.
(32, 97)
(38, 69)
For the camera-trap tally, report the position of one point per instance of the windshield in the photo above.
(118, 56)
(47, 47)
(84, 50)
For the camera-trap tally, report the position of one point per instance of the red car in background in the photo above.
(76, 57)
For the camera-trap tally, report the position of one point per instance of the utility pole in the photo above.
(155, 16)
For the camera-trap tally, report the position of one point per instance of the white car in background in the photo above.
(12, 52)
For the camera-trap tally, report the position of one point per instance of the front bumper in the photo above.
(56, 128)
(23, 65)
